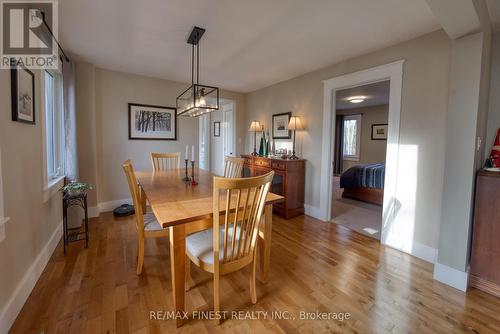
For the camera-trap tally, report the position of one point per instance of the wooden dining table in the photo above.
(184, 209)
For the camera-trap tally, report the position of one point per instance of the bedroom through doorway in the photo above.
(360, 150)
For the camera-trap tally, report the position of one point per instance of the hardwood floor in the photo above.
(315, 266)
(365, 218)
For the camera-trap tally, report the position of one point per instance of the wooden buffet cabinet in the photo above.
(288, 181)
(485, 254)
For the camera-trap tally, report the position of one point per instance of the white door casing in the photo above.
(394, 72)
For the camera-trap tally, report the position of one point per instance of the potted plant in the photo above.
(75, 188)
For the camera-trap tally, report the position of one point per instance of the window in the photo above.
(352, 137)
(54, 126)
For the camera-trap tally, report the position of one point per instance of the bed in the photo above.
(364, 183)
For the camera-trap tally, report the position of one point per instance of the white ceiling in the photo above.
(376, 94)
(248, 44)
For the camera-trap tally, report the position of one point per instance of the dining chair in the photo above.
(165, 161)
(230, 246)
(146, 223)
(233, 167)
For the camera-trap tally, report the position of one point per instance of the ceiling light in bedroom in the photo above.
(197, 99)
(356, 99)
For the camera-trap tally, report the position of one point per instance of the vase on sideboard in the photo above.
(262, 146)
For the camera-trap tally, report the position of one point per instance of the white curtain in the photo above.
(69, 101)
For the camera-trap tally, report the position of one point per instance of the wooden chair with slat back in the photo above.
(165, 161)
(146, 223)
(230, 244)
(233, 167)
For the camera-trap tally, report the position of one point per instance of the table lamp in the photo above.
(255, 127)
(295, 124)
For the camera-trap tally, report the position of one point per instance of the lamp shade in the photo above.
(255, 127)
(295, 123)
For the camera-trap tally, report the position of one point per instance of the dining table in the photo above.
(186, 207)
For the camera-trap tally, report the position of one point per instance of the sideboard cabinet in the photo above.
(288, 181)
(485, 254)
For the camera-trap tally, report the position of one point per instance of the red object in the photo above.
(194, 183)
(495, 151)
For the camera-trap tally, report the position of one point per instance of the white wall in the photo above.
(467, 111)
(422, 128)
(459, 176)
(102, 100)
(493, 123)
(114, 90)
(35, 226)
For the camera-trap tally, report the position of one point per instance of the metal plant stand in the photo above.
(75, 234)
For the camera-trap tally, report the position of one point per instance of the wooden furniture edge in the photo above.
(369, 195)
(484, 172)
(204, 216)
(484, 285)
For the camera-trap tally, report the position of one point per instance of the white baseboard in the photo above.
(424, 252)
(451, 276)
(313, 211)
(9, 314)
(93, 211)
(109, 206)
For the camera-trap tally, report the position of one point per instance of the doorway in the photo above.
(391, 233)
(361, 124)
(217, 137)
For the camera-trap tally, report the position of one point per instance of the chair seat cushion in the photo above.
(200, 244)
(151, 223)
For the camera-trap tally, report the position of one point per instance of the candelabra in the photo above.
(186, 178)
(193, 182)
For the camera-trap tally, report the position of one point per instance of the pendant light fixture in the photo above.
(197, 99)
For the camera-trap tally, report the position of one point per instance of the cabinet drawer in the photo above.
(262, 162)
(278, 165)
(260, 171)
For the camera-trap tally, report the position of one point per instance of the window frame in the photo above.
(357, 118)
(53, 181)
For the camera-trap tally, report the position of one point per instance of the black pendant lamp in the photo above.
(197, 99)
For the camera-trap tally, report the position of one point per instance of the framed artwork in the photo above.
(149, 122)
(22, 82)
(216, 129)
(379, 131)
(280, 126)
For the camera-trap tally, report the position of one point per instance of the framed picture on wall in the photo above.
(379, 131)
(149, 122)
(216, 129)
(22, 83)
(280, 126)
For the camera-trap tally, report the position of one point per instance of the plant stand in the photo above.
(75, 234)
